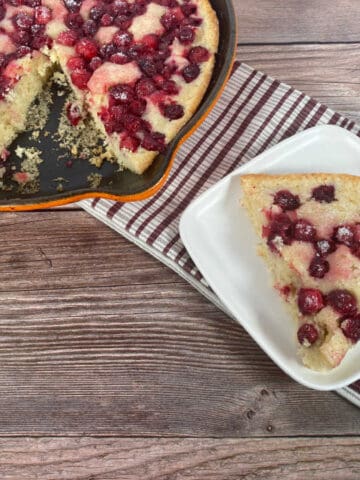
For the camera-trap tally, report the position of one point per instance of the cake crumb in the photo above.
(28, 175)
(94, 179)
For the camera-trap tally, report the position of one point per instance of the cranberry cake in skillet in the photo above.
(140, 67)
(309, 225)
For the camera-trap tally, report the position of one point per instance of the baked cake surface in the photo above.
(140, 67)
(309, 225)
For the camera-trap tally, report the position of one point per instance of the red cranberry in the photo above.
(304, 231)
(42, 15)
(186, 35)
(286, 200)
(191, 72)
(74, 20)
(37, 29)
(138, 107)
(344, 234)
(188, 9)
(122, 94)
(319, 267)
(22, 21)
(324, 247)
(351, 328)
(75, 63)
(40, 41)
(117, 112)
(307, 334)
(20, 37)
(68, 38)
(151, 41)
(310, 301)
(146, 126)
(136, 51)
(90, 28)
(130, 143)
(120, 7)
(281, 226)
(170, 87)
(22, 51)
(120, 58)
(86, 48)
(122, 22)
(80, 78)
(95, 63)
(73, 113)
(342, 301)
(107, 50)
(106, 20)
(153, 142)
(198, 55)
(173, 111)
(145, 87)
(148, 67)
(132, 123)
(96, 12)
(167, 39)
(170, 20)
(324, 193)
(137, 8)
(73, 5)
(122, 39)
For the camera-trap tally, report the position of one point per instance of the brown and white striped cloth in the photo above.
(254, 112)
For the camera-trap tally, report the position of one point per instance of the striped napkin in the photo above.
(254, 113)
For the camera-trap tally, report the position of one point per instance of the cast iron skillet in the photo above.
(125, 185)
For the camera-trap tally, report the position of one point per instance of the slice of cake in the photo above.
(140, 67)
(23, 65)
(309, 225)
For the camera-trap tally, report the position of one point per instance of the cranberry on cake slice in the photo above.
(318, 267)
(345, 234)
(307, 334)
(286, 200)
(310, 301)
(351, 328)
(324, 193)
(342, 301)
(304, 231)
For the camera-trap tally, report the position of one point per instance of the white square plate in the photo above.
(221, 241)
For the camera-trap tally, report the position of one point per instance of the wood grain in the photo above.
(290, 21)
(180, 459)
(325, 72)
(98, 338)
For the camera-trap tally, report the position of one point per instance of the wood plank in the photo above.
(284, 21)
(325, 72)
(98, 338)
(180, 459)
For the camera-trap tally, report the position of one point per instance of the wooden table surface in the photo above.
(113, 367)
